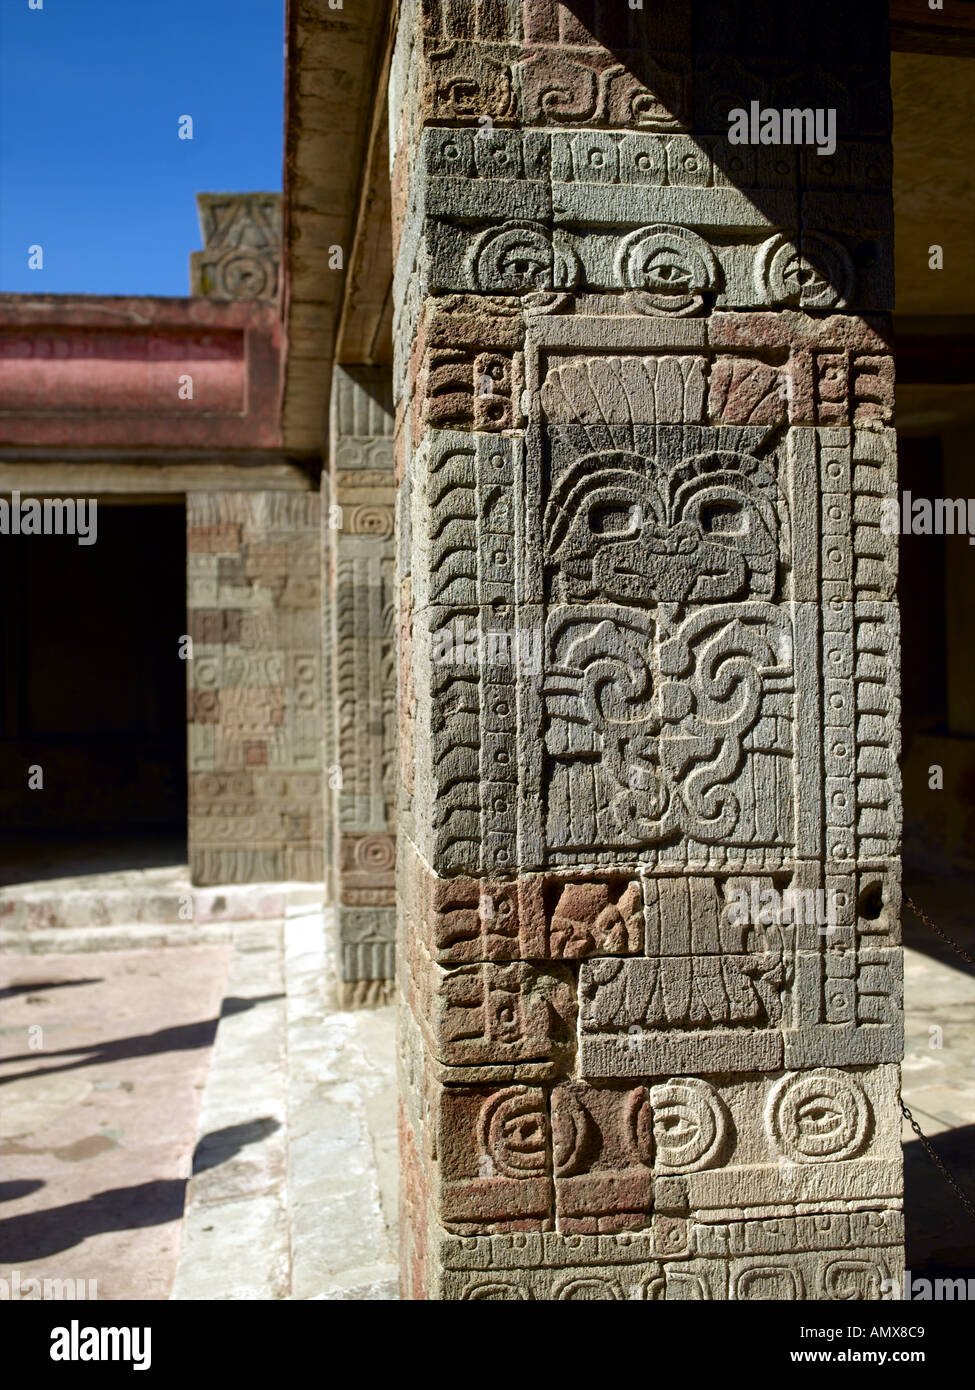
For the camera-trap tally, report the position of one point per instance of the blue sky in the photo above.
(91, 167)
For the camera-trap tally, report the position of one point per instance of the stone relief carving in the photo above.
(255, 687)
(360, 640)
(242, 252)
(521, 257)
(818, 274)
(651, 628)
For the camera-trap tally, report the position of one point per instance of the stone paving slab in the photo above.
(939, 1045)
(939, 1088)
(308, 1210)
(103, 1060)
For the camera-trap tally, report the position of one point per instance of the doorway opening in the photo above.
(93, 695)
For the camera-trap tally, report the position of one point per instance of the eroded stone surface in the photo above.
(649, 965)
(241, 258)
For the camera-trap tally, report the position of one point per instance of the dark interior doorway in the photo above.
(93, 693)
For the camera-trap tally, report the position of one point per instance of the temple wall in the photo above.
(254, 687)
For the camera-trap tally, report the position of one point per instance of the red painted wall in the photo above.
(84, 370)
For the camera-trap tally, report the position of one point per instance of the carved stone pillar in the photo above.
(648, 859)
(254, 687)
(360, 644)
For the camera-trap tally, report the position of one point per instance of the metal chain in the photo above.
(938, 932)
(926, 1143)
(937, 1161)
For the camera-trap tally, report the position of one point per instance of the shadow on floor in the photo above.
(11, 991)
(12, 1191)
(940, 1234)
(221, 1145)
(185, 1037)
(36, 1234)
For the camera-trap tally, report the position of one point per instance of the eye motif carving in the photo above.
(514, 1132)
(522, 258)
(691, 1125)
(817, 275)
(818, 1115)
(668, 268)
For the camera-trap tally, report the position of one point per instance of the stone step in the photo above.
(124, 936)
(100, 901)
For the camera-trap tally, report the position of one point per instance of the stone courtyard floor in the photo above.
(199, 1119)
(103, 1061)
(196, 1119)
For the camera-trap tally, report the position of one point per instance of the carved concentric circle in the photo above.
(521, 258)
(514, 1132)
(370, 520)
(820, 276)
(244, 275)
(818, 1115)
(207, 675)
(671, 262)
(690, 1125)
(375, 853)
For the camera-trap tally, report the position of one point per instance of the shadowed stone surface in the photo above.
(649, 954)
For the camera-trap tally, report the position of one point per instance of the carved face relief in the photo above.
(621, 528)
(666, 646)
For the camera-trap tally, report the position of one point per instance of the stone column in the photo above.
(649, 958)
(254, 687)
(361, 675)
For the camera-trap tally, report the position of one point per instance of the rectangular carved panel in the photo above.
(254, 687)
(361, 675)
